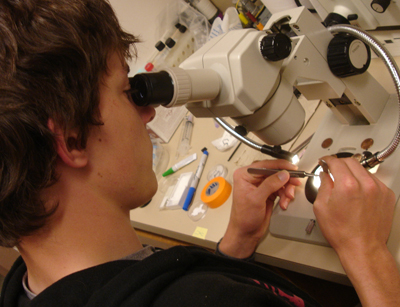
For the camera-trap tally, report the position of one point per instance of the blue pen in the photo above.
(196, 179)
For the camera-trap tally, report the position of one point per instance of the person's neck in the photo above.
(80, 235)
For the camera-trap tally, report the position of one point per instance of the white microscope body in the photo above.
(369, 14)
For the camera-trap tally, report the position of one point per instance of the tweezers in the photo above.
(270, 171)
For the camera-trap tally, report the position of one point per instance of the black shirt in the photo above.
(180, 276)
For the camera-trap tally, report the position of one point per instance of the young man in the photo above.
(76, 158)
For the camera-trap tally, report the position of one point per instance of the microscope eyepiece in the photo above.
(152, 88)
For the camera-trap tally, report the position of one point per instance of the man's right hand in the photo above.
(355, 213)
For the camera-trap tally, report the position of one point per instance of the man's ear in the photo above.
(67, 146)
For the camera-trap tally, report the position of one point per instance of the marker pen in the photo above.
(196, 179)
(180, 164)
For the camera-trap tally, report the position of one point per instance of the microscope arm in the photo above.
(382, 52)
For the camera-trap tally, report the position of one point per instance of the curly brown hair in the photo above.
(53, 54)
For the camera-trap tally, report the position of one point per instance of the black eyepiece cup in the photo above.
(152, 88)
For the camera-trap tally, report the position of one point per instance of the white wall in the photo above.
(139, 17)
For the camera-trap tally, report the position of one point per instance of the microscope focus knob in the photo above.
(380, 6)
(275, 47)
(348, 56)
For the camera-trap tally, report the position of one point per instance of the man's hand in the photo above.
(253, 200)
(355, 213)
(356, 210)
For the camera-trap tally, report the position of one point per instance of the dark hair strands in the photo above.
(53, 55)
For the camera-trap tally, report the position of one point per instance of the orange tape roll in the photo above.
(216, 192)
